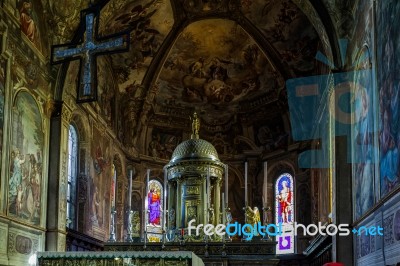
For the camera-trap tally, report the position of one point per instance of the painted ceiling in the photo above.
(149, 22)
(226, 59)
(213, 65)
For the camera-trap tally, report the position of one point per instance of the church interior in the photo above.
(123, 121)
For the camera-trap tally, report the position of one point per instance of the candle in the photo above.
(146, 195)
(226, 184)
(223, 208)
(130, 189)
(114, 179)
(165, 198)
(245, 184)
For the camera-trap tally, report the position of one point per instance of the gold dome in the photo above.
(194, 149)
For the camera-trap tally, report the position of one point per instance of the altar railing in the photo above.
(117, 258)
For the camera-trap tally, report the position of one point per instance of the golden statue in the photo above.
(195, 126)
(252, 216)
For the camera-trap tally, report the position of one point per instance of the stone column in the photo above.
(57, 182)
(204, 201)
(342, 248)
(179, 205)
(217, 200)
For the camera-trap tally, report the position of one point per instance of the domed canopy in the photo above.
(194, 149)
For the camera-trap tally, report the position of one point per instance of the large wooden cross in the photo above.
(86, 51)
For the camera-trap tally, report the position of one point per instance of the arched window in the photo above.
(154, 203)
(284, 213)
(72, 176)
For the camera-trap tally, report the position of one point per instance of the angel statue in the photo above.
(252, 216)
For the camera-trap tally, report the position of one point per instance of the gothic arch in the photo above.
(280, 167)
(82, 125)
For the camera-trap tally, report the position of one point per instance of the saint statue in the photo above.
(195, 126)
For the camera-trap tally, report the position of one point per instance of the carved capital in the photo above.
(66, 114)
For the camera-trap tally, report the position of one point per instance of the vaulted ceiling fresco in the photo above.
(149, 22)
(288, 29)
(226, 59)
(213, 65)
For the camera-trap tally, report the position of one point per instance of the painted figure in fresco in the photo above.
(35, 187)
(16, 178)
(19, 200)
(284, 199)
(154, 201)
(390, 155)
(155, 147)
(28, 25)
(100, 163)
(95, 207)
(129, 112)
(197, 68)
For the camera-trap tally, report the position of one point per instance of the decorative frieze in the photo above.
(192, 190)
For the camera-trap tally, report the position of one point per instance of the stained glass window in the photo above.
(72, 176)
(284, 214)
(154, 206)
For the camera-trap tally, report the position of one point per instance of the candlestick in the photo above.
(226, 184)
(112, 226)
(245, 184)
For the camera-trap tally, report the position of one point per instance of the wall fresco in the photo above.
(26, 160)
(388, 52)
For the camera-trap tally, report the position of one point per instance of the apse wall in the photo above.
(374, 51)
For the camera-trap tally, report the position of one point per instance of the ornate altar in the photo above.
(194, 182)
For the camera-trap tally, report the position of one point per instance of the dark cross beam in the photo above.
(87, 51)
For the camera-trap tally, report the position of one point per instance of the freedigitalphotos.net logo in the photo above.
(251, 230)
(306, 94)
